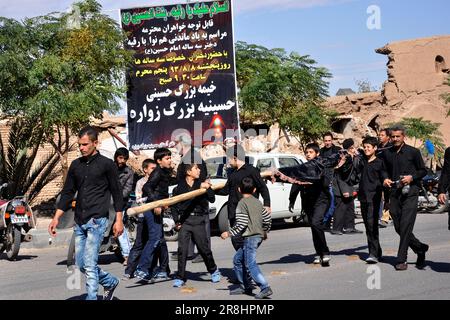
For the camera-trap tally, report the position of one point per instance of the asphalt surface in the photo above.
(285, 259)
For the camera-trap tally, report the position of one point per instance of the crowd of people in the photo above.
(384, 175)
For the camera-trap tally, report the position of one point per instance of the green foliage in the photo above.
(18, 164)
(422, 130)
(446, 97)
(58, 75)
(279, 87)
(61, 76)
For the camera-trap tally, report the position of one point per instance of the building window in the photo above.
(440, 65)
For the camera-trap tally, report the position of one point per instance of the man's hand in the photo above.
(177, 226)
(442, 198)
(118, 228)
(346, 195)
(265, 235)
(205, 185)
(225, 235)
(388, 183)
(157, 211)
(268, 209)
(52, 226)
(407, 180)
(54, 223)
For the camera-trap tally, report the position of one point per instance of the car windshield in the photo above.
(218, 167)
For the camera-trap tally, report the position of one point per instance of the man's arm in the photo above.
(68, 191)
(261, 187)
(67, 195)
(114, 186)
(128, 186)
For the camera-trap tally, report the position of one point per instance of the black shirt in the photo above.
(373, 174)
(95, 178)
(198, 205)
(328, 152)
(233, 182)
(157, 185)
(404, 162)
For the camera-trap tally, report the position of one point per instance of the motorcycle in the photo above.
(16, 220)
(428, 196)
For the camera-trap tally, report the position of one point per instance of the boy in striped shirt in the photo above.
(252, 222)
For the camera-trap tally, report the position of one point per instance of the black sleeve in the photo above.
(421, 170)
(128, 185)
(210, 195)
(114, 186)
(203, 171)
(295, 190)
(151, 184)
(261, 187)
(69, 189)
(444, 185)
(225, 191)
(175, 210)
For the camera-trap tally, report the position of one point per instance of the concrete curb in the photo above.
(41, 239)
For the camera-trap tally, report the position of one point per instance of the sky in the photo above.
(334, 33)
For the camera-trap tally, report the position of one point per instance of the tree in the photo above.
(60, 75)
(365, 86)
(279, 87)
(18, 165)
(422, 130)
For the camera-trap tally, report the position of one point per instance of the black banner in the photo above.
(183, 74)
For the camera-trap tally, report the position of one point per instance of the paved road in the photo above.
(285, 259)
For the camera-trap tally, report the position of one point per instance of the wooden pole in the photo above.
(182, 197)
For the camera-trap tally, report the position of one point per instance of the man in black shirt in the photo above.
(444, 182)
(405, 168)
(328, 151)
(384, 137)
(236, 159)
(95, 179)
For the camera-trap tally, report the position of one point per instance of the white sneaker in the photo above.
(317, 260)
(326, 259)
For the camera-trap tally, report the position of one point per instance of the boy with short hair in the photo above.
(148, 165)
(373, 173)
(253, 222)
(190, 218)
(156, 188)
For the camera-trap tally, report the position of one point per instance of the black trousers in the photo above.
(315, 210)
(194, 228)
(138, 246)
(208, 233)
(344, 215)
(370, 211)
(403, 210)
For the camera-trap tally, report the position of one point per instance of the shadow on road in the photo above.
(19, 257)
(83, 297)
(441, 267)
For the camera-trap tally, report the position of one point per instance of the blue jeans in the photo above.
(245, 259)
(155, 233)
(88, 238)
(125, 245)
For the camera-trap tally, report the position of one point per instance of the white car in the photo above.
(279, 192)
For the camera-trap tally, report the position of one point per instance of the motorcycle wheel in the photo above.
(71, 252)
(13, 244)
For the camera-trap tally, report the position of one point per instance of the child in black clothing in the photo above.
(190, 218)
(315, 176)
(156, 188)
(373, 173)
